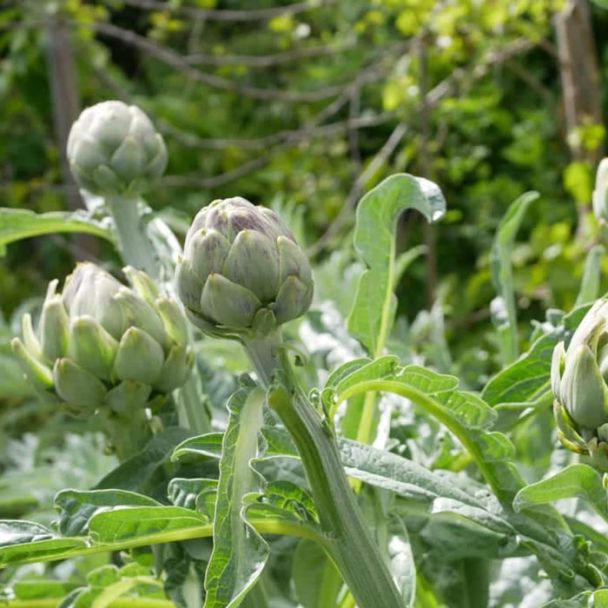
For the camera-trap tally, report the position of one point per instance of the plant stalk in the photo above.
(347, 539)
(135, 246)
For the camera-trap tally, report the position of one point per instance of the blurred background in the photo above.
(304, 107)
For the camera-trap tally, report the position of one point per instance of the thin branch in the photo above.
(370, 171)
(259, 14)
(265, 61)
(291, 136)
(176, 61)
(217, 180)
(433, 97)
(294, 138)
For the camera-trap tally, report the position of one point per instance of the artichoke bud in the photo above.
(600, 194)
(579, 386)
(242, 273)
(77, 387)
(102, 344)
(583, 390)
(113, 148)
(140, 357)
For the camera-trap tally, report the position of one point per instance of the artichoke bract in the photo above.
(578, 379)
(114, 148)
(100, 344)
(242, 273)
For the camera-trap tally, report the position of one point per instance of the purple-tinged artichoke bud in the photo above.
(103, 344)
(242, 273)
(113, 148)
(600, 194)
(578, 380)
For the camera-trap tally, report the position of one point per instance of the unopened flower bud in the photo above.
(579, 386)
(242, 271)
(103, 344)
(113, 148)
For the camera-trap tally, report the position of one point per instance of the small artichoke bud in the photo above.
(242, 273)
(578, 382)
(101, 344)
(113, 148)
(600, 194)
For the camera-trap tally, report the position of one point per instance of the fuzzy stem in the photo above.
(347, 538)
(135, 246)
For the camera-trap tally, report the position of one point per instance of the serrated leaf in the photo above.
(502, 275)
(284, 499)
(427, 381)
(381, 367)
(32, 589)
(41, 550)
(159, 524)
(18, 224)
(373, 310)
(239, 552)
(528, 378)
(185, 492)
(208, 445)
(578, 480)
(138, 472)
(78, 507)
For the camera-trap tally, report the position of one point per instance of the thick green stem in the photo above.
(347, 538)
(128, 434)
(193, 414)
(135, 246)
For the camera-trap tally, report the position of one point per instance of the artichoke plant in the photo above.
(113, 148)
(103, 345)
(242, 273)
(578, 378)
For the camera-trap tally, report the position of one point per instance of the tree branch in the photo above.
(177, 62)
(264, 61)
(259, 14)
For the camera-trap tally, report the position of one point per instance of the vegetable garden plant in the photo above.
(337, 470)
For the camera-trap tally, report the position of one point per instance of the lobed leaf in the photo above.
(373, 310)
(18, 224)
(576, 480)
(239, 552)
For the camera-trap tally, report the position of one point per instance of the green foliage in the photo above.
(393, 446)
